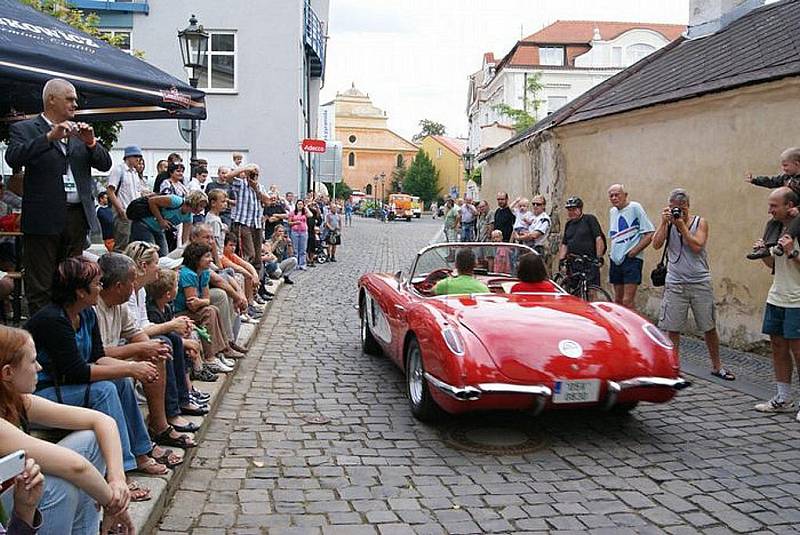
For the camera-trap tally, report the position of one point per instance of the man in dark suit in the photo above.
(58, 194)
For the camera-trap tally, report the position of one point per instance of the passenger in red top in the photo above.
(532, 275)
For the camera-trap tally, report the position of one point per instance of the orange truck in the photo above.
(400, 206)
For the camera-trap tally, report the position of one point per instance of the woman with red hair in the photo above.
(73, 467)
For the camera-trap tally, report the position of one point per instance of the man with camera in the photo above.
(247, 212)
(58, 155)
(688, 281)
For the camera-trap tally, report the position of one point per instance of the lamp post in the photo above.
(193, 41)
(469, 160)
(383, 194)
(375, 195)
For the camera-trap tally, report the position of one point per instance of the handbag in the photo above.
(659, 274)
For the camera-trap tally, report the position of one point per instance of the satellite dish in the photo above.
(185, 129)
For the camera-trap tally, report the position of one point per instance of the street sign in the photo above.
(328, 164)
(313, 145)
(185, 129)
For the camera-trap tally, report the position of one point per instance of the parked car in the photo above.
(502, 350)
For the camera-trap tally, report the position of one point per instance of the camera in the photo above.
(676, 212)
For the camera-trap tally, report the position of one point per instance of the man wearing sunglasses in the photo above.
(536, 235)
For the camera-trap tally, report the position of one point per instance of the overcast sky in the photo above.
(413, 57)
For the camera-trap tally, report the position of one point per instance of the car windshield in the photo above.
(492, 258)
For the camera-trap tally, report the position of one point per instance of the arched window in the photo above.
(400, 160)
(368, 189)
(351, 159)
(636, 52)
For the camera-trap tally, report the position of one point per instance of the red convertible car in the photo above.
(504, 350)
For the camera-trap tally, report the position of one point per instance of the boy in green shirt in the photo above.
(465, 282)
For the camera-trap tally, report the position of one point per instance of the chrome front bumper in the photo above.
(543, 393)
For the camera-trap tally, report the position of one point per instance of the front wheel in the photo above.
(423, 407)
(596, 294)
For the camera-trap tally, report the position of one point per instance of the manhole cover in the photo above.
(316, 419)
(494, 439)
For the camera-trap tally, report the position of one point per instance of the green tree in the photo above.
(343, 191)
(429, 128)
(526, 117)
(422, 178)
(476, 175)
(108, 131)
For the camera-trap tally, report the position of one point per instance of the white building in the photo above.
(266, 64)
(570, 57)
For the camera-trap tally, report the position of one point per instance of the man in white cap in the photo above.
(124, 185)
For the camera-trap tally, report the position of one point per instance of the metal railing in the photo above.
(314, 38)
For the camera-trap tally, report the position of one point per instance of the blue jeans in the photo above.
(300, 244)
(66, 508)
(468, 231)
(141, 232)
(176, 393)
(116, 399)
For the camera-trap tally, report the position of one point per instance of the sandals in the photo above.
(236, 347)
(168, 458)
(722, 373)
(165, 438)
(138, 492)
(151, 468)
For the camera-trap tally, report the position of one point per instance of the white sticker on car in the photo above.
(570, 348)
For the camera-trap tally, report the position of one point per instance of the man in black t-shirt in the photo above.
(274, 213)
(582, 236)
(503, 216)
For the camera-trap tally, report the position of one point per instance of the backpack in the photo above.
(138, 209)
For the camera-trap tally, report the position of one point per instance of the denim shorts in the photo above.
(629, 272)
(781, 321)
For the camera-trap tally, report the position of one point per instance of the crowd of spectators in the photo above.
(187, 260)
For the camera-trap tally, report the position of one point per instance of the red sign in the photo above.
(313, 145)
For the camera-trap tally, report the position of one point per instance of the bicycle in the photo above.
(574, 280)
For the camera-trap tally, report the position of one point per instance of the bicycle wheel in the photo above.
(597, 294)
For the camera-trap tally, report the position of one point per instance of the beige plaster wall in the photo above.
(705, 145)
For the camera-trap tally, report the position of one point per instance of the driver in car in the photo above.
(465, 282)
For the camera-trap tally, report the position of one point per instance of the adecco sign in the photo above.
(313, 145)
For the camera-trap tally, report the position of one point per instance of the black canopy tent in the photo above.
(111, 84)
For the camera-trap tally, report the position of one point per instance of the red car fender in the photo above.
(660, 353)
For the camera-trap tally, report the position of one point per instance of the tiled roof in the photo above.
(762, 46)
(582, 31)
(488, 57)
(455, 145)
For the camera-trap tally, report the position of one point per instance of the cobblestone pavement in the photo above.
(316, 437)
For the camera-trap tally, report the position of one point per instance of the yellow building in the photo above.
(369, 148)
(446, 154)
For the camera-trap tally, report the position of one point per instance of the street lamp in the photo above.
(375, 194)
(383, 180)
(193, 41)
(469, 160)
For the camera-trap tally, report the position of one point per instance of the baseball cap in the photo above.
(574, 202)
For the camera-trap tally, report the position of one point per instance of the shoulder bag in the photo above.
(659, 274)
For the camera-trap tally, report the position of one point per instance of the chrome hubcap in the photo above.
(415, 376)
(363, 326)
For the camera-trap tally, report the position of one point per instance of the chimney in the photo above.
(707, 17)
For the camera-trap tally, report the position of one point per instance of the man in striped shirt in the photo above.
(246, 214)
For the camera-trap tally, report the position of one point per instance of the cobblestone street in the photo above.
(315, 437)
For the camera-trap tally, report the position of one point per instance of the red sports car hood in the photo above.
(546, 337)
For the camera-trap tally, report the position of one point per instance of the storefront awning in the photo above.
(111, 84)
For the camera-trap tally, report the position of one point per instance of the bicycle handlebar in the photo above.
(581, 259)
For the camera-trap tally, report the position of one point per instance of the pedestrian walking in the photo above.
(348, 213)
(630, 232)
(688, 282)
(451, 213)
(782, 312)
(58, 205)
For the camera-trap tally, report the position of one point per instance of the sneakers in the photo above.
(247, 319)
(775, 405)
(254, 312)
(226, 361)
(203, 374)
(217, 366)
(287, 280)
(260, 301)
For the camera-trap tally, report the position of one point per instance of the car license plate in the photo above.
(579, 391)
